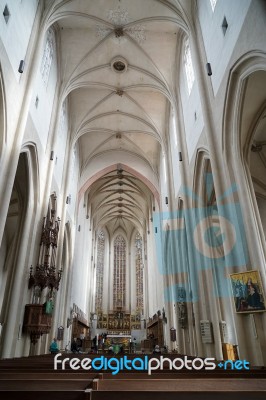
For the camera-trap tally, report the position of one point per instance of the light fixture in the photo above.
(21, 66)
(119, 65)
(209, 69)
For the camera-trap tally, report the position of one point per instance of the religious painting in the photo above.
(248, 292)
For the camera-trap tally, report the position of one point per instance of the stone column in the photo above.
(9, 170)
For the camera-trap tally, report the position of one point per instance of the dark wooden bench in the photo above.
(33, 375)
(44, 395)
(47, 384)
(178, 385)
(35, 378)
(43, 389)
(184, 395)
(183, 374)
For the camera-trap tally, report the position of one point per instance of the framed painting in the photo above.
(248, 292)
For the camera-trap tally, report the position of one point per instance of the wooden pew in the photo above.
(44, 395)
(43, 389)
(184, 395)
(178, 385)
(34, 377)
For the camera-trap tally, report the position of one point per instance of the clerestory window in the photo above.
(188, 67)
(213, 4)
(48, 56)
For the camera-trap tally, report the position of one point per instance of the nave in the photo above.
(132, 179)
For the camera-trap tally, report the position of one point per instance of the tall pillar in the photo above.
(9, 170)
(215, 153)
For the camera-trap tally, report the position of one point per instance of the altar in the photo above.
(118, 341)
(118, 320)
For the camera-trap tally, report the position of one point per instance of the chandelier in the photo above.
(45, 276)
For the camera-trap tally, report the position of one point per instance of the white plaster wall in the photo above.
(81, 261)
(14, 38)
(155, 285)
(175, 157)
(73, 184)
(41, 115)
(219, 47)
(164, 183)
(60, 147)
(191, 104)
(16, 32)
(31, 136)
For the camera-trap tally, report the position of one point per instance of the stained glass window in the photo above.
(139, 273)
(48, 56)
(99, 271)
(189, 67)
(119, 288)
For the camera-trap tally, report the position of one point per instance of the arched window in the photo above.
(48, 56)
(139, 273)
(99, 271)
(188, 67)
(119, 290)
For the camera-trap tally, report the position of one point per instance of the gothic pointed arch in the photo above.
(16, 232)
(244, 139)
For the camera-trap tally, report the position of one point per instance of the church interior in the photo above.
(133, 178)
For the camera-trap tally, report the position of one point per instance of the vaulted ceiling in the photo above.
(118, 67)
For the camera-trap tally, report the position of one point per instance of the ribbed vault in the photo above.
(118, 68)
